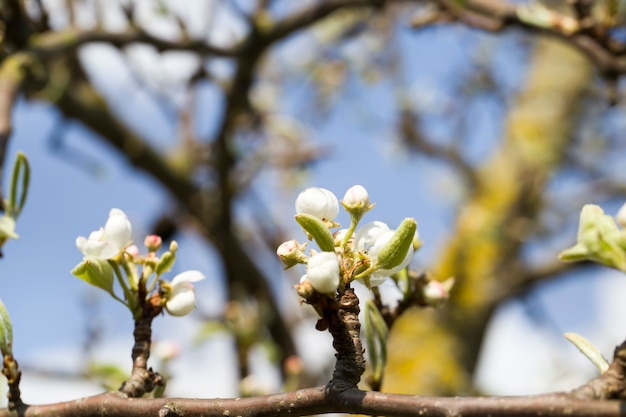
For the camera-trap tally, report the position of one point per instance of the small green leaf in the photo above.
(317, 230)
(376, 333)
(589, 350)
(578, 252)
(395, 250)
(96, 272)
(21, 170)
(6, 330)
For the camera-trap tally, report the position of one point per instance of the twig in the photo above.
(142, 379)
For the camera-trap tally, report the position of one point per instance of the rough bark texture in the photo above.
(493, 223)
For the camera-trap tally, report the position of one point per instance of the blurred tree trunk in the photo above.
(436, 352)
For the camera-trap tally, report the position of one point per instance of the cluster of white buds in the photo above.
(370, 253)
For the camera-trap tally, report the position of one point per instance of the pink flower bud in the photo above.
(153, 243)
(436, 293)
(291, 253)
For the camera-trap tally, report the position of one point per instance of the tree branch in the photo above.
(54, 44)
(318, 401)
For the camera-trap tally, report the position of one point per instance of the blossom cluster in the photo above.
(110, 247)
(369, 253)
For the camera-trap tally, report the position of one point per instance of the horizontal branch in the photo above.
(64, 41)
(496, 15)
(319, 400)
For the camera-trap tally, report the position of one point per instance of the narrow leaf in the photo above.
(376, 332)
(589, 350)
(20, 179)
(6, 330)
(317, 230)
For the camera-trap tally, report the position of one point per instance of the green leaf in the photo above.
(376, 332)
(96, 272)
(21, 170)
(395, 250)
(578, 252)
(316, 228)
(6, 330)
(589, 350)
(599, 240)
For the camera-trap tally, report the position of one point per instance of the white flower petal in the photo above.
(94, 248)
(81, 243)
(187, 276)
(182, 300)
(323, 272)
(368, 234)
(318, 202)
(356, 196)
(117, 229)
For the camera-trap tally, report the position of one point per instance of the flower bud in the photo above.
(180, 295)
(153, 243)
(133, 251)
(165, 263)
(389, 251)
(357, 201)
(291, 253)
(436, 293)
(323, 272)
(392, 254)
(318, 202)
(304, 288)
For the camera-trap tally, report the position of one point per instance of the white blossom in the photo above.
(323, 272)
(356, 197)
(181, 294)
(108, 241)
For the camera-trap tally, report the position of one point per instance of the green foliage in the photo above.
(6, 331)
(96, 272)
(317, 230)
(599, 240)
(589, 350)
